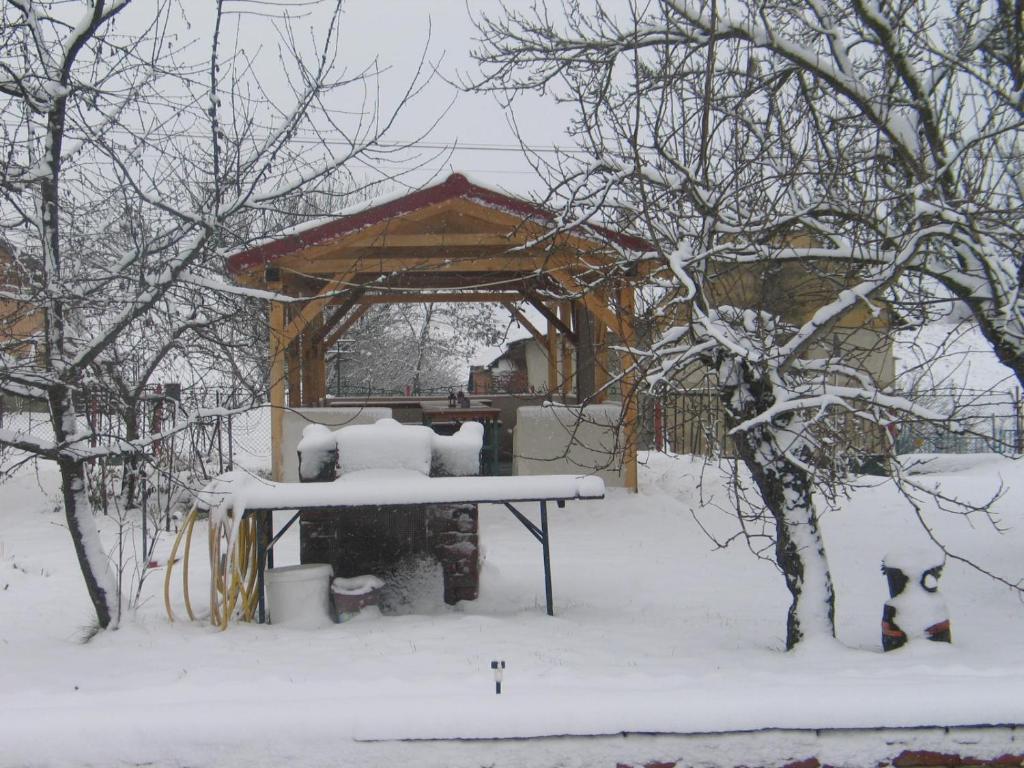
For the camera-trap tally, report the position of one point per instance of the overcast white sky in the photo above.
(396, 32)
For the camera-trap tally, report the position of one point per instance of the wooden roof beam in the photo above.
(525, 322)
(551, 316)
(339, 314)
(478, 297)
(434, 240)
(618, 323)
(342, 329)
(517, 262)
(314, 306)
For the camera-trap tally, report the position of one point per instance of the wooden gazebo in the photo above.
(453, 242)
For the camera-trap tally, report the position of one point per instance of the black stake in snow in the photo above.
(498, 667)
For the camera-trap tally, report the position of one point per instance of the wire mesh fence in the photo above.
(215, 429)
(978, 421)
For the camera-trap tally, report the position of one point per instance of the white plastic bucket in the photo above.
(299, 595)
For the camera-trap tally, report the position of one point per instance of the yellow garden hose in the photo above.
(234, 568)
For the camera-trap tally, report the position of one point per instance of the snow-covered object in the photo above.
(916, 609)
(298, 595)
(295, 421)
(351, 595)
(318, 453)
(239, 491)
(458, 455)
(356, 585)
(389, 445)
(914, 560)
(384, 445)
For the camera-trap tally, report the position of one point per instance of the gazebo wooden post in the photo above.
(294, 377)
(312, 362)
(568, 353)
(601, 372)
(552, 359)
(277, 323)
(586, 335)
(630, 386)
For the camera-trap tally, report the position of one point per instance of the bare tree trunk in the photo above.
(787, 490)
(92, 559)
(421, 351)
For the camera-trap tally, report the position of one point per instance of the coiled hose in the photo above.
(234, 568)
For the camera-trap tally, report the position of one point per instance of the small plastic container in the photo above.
(352, 595)
(298, 595)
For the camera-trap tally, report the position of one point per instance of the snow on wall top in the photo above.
(603, 414)
(366, 214)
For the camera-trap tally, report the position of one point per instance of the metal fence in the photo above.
(978, 421)
(214, 429)
(982, 421)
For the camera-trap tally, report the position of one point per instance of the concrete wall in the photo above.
(567, 439)
(297, 419)
(536, 366)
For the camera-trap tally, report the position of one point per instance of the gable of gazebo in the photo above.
(455, 241)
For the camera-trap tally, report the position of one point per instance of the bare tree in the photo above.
(105, 108)
(794, 165)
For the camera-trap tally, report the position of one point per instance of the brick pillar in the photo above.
(455, 535)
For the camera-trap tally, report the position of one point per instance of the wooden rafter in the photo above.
(437, 297)
(315, 305)
(339, 313)
(551, 316)
(621, 323)
(442, 261)
(342, 329)
(524, 321)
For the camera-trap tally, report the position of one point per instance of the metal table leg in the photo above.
(541, 534)
(545, 543)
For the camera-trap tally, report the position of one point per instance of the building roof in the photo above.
(376, 211)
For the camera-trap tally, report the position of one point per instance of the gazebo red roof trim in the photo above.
(454, 186)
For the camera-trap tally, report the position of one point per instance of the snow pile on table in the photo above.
(384, 445)
(318, 452)
(458, 455)
(389, 445)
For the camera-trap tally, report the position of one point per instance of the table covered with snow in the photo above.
(238, 494)
(245, 493)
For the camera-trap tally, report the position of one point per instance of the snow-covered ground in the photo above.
(656, 632)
